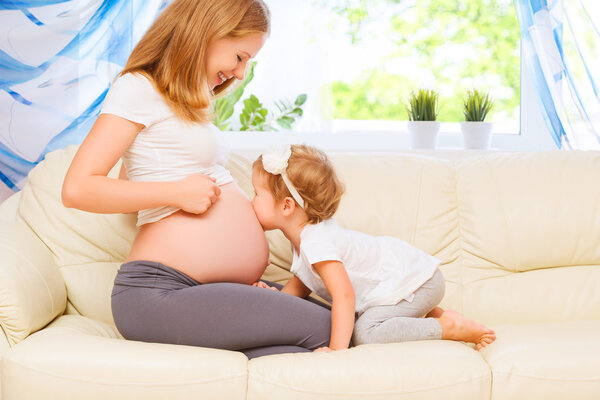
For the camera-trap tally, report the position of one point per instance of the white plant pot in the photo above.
(476, 135)
(423, 134)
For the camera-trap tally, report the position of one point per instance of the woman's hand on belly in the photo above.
(196, 193)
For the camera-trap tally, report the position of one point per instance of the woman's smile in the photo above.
(222, 77)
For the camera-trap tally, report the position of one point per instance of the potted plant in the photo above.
(423, 127)
(476, 133)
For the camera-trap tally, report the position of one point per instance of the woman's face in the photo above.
(227, 57)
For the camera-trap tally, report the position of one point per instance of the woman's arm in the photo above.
(87, 187)
(340, 288)
(123, 173)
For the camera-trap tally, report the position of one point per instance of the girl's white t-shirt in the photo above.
(383, 270)
(168, 148)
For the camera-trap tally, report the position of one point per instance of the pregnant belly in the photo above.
(225, 244)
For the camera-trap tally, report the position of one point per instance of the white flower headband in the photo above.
(275, 161)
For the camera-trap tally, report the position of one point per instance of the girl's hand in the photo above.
(196, 193)
(323, 349)
(261, 284)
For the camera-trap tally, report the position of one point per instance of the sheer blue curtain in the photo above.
(561, 46)
(57, 58)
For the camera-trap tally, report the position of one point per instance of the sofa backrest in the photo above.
(517, 233)
(530, 236)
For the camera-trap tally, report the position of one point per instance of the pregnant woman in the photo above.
(199, 247)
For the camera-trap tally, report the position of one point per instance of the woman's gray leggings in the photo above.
(152, 302)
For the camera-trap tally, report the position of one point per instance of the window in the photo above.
(358, 60)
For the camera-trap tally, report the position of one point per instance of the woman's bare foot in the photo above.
(458, 327)
(435, 313)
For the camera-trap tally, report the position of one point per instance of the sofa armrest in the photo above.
(32, 290)
(4, 347)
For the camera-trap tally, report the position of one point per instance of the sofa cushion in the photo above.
(89, 288)
(542, 295)
(546, 361)
(87, 360)
(73, 236)
(520, 214)
(413, 370)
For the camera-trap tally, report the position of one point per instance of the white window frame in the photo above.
(393, 135)
(533, 135)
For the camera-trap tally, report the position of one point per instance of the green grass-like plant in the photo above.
(423, 105)
(477, 105)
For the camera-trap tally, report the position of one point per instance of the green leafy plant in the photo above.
(423, 105)
(254, 116)
(224, 105)
(477, 105)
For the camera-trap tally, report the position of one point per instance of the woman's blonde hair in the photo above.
(173, 51)
(313, 176)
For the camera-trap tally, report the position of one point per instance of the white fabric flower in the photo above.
(275, 160)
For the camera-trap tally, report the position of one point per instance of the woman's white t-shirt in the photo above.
(168, 148)
(383, 270)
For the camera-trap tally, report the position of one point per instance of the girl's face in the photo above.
(264, 204)
(227, 57)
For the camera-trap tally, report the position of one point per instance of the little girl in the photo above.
(386, 283)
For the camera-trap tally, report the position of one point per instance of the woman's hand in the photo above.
(197, 193)
(261, 284)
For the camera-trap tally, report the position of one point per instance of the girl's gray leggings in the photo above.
(404, 321)
(152, 302)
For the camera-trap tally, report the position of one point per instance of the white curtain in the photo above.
(561, 46)
(57, 58)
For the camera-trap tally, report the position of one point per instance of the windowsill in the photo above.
(364, 141)
(386, 126)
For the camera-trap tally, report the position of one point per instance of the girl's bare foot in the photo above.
(484, 342)
(458, 327)
(435, 313)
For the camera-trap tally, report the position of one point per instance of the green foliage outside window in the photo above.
(484, 34)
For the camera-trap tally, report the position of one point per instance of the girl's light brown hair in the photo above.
(313, 176)
(173, 51)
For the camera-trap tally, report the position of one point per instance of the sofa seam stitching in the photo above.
(460, 240)
(416, 220)
(499, 192)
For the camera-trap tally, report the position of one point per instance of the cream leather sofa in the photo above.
(519, 236)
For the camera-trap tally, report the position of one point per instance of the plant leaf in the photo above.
(301, 99)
